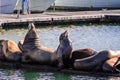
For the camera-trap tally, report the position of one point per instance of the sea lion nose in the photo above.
(31, 26)
(66, 32)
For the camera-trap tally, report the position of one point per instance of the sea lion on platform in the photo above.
(10, 50)
(112, 65)
(34, 51)
(97, 60)
(64, 50)
(82, 53)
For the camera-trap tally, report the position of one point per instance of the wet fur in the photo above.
(12, 47)
(81, 53)
(11, 51)
(64, 49)
(34, 51)
(90, 63)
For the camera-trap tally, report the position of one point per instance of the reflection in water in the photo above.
(29, 75)
(62, 76)
(98, 38)
(79, 77)
(46, 76)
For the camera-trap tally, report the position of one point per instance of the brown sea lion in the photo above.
(112, 65)
(82, 53)
(64, 50)
(97, 60)
(34, 51)
(10, 50)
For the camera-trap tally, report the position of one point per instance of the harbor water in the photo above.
(98, 37)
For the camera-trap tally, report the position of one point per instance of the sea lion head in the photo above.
(32, 33)
(64, 37)
(3, 47)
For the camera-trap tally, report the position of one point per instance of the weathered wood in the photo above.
(46, 68)
(60, 17)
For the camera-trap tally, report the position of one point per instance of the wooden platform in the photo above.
(60, 17)
(46, 68)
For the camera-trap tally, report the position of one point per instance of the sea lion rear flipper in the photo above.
(111, 65)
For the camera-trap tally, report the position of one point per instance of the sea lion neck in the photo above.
(32, 38)
(65, 42)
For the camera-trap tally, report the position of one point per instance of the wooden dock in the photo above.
(60, 17)
(46, 68)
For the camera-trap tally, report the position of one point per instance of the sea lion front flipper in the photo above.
(60, 63)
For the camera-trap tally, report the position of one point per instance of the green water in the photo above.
(31, 75)
(98, 37)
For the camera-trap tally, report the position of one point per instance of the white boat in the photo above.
(36, 5)
(7, 6)
(87, 4)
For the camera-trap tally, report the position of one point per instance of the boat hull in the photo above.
(96, 4)
(7, 6)
(36, 5)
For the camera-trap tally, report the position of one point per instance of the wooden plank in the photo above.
(61, 17)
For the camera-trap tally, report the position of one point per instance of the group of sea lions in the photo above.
(30, 50)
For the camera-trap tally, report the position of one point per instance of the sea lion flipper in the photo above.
(111, 65)
(60, 64)
(20, 44)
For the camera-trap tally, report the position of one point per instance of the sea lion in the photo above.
(97, 60)
(10, 50)
(34, 51)
(64, 50)
(82, 53)
(112, 65)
